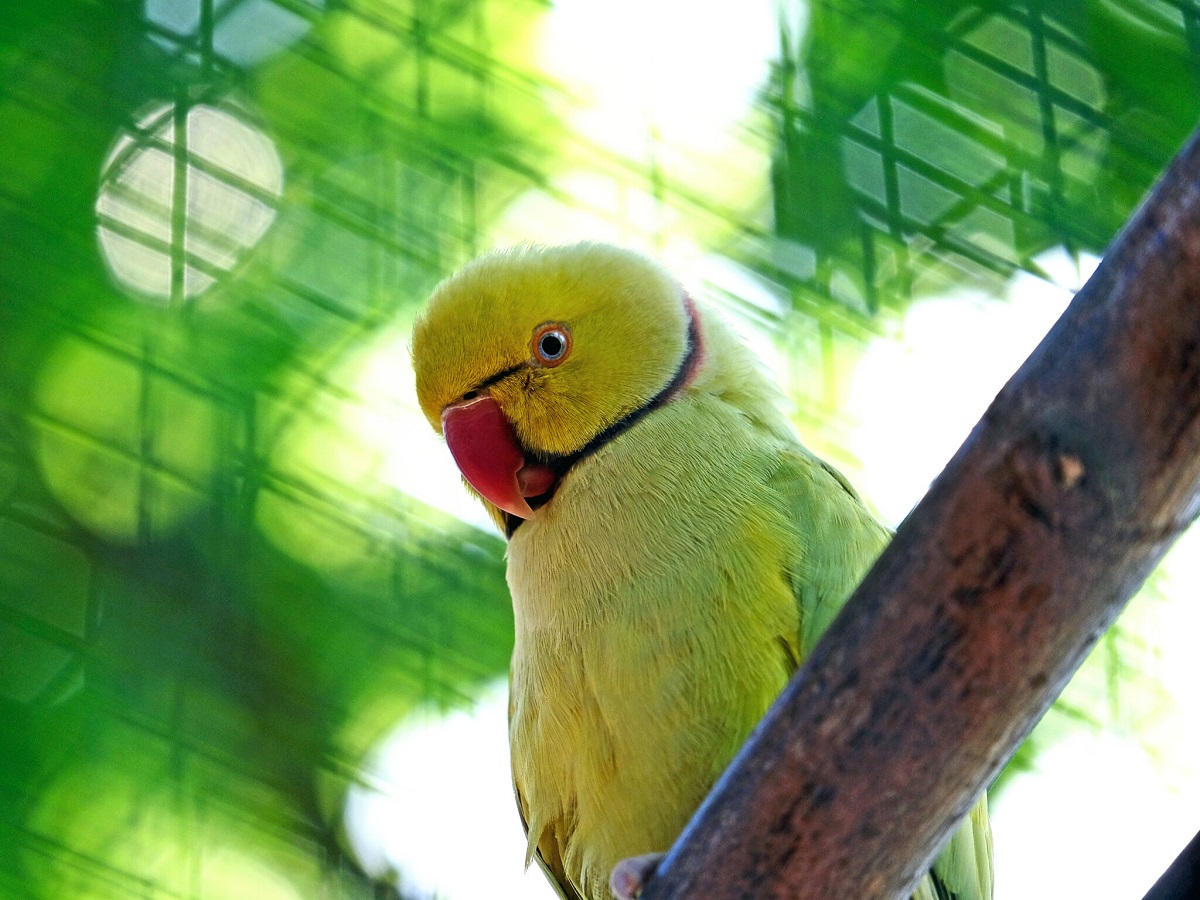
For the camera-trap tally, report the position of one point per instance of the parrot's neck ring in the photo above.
(689, 366)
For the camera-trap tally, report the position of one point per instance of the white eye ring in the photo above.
(551, 344)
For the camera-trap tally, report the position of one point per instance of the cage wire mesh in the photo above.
(220, 581)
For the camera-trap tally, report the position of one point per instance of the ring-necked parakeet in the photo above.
(674, 551)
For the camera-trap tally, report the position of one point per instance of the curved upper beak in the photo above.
(489, 455)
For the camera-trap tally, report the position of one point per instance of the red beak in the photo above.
(485, 447)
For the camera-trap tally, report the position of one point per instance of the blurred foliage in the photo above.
(213, 599)
(943, 141)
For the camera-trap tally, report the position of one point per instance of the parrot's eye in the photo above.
(551, 344)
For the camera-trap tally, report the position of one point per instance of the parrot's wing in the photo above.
(554, 873)
(838, 540)
(551, 868)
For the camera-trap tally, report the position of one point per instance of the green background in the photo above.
(214, 600)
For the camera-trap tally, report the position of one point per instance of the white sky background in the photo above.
(685, 71)
(1098, 817)
(916, 399)
(440, 808)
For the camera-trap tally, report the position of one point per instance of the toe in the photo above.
(630, 875)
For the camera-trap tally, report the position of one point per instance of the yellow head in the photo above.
(566, 341)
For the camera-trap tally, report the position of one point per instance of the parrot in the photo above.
(673, 550)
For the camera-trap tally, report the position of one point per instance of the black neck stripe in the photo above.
(562, 464)
(633, 417)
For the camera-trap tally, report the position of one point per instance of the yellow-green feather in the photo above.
(679, 575)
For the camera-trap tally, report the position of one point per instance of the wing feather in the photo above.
(552, 868)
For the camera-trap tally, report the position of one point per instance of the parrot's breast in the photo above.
(655, 625)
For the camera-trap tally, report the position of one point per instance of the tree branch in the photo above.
(1078, 478)
(1182, 878)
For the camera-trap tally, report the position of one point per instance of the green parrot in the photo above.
(674, 552)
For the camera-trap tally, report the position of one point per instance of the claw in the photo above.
(630, 875)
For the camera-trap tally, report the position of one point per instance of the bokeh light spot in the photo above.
(167, 242)
(118, 808)
(125, 456)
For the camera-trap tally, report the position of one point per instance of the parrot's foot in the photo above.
(631, 875)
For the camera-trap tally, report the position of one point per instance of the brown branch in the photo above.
(1069, 490)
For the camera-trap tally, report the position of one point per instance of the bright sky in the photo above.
(686, 72)
(440, 788)
(915, 399)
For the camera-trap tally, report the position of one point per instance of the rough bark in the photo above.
(1066, 494)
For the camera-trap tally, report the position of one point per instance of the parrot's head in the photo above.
(529, 359)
